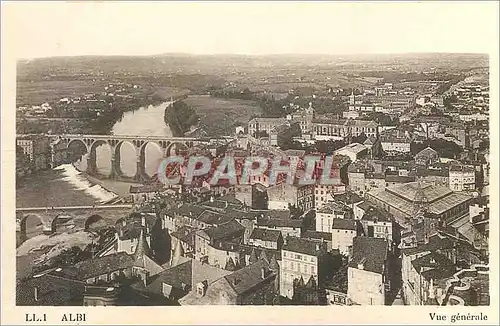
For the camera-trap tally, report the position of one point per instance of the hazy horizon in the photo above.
(68, 29)
(259, 55)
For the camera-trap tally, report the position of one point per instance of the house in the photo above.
(142, 194)
(426, 157)
(318, 236)
(343, 232)
(128, 231)
(183, 237)
(218, 245)
(367, 272)
(423, 272)
(356, 176)
(121, 264)
(282, 195)
(377, 223)
(329, 212)
(271, 239)
(462, 177)
(178, 281)
(260, 125)
(324, 193)
(437, 258)
(286, 226)
(354, 151)
(252, 285)
(36, 149)
(395, 141)
(300, 259)
(251, 254)
(436, 175)
(49, 290)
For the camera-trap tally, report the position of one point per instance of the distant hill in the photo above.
(226, 63)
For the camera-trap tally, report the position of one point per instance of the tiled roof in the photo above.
(375, 214)
(265, 234)
(104, 265)
(190, 210)
(343, 224)
(279, 223)
(247, 250)
(436, 241)
(402, 197)
(52, 291)
(272, 214)
(213, 218)
(348, 198)
(370, 252)
(434, 266)
(354, 148)
(133, 225)
(304, 246)
(224, 230)
(399, 178)
(427, 151)
(144, 189)
(250, 277)
(184, 234)
(318, 235)
(410, 191)
(179, 277)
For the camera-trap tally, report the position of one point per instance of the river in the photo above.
(65, 186)
(146, 121)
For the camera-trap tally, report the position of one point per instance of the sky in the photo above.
(128, 28)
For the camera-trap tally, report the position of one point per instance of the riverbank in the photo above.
(62, 186)
(180, 117)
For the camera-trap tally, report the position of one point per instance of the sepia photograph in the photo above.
(300, 154)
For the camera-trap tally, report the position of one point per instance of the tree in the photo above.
(359, 139)
(446, 149)
(295, 212)
(285, 138)
(329, 146)
(261, 134)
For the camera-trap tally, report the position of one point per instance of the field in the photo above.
(221, 115)
(38, 92)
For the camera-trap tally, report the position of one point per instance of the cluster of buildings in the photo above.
(93, 104)
(405, 229)
(37, 152)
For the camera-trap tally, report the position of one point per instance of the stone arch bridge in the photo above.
(167, 145)
(52, 217)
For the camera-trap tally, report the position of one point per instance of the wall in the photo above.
(342, 239)
(294, 265)
(396, 147)
(364, 287)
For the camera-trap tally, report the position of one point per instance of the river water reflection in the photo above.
(146, 121)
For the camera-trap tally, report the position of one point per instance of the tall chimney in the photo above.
(263, 273)
(36, 293)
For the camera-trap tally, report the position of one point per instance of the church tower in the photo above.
(141, 256)
(352, 98)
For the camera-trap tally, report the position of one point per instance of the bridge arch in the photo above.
(24, 220)
(23, 225)
(145, 162)
(92, 163)
(78, 142)
(175, 146)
